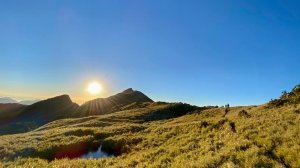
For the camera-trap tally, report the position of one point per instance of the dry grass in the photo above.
(261, 137)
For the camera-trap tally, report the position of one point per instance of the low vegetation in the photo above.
(287, 98)
(165, 135)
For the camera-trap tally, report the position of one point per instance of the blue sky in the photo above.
(202, 52)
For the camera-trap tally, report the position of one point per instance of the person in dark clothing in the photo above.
(226, 109)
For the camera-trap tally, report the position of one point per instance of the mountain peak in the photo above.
(64, 96)
(129, 90)
(112, 103)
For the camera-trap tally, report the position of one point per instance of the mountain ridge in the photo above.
(61, 107)
(112, 103)
(167, 135)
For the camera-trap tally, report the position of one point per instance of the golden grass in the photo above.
(245, 137)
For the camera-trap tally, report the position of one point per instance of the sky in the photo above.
(203, 52)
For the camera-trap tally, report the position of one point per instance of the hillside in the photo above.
(48, 110)
(165, 135)
(287, 98)
(26, 118)
(112, 103)
(9, 111)
(158, 134)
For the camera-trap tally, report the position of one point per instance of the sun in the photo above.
(94, 88)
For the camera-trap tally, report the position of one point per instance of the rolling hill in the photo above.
(158, 134)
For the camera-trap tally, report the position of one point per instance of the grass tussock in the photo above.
(165, 135)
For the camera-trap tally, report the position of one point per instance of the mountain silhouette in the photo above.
(17, 118)
(49, 110)
(21, 118)
(112, 103)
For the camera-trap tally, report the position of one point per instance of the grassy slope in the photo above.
(259, 137)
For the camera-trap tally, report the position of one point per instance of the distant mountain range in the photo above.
(16, 118)
(5, 100)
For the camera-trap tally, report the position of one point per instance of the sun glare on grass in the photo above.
(94, 88)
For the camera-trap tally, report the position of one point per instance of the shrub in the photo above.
(244, 113)
(203, 124)
(79, 132)
(116, 147)
(171, 111)
(232, 126)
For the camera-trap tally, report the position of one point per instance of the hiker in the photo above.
(226, 109)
